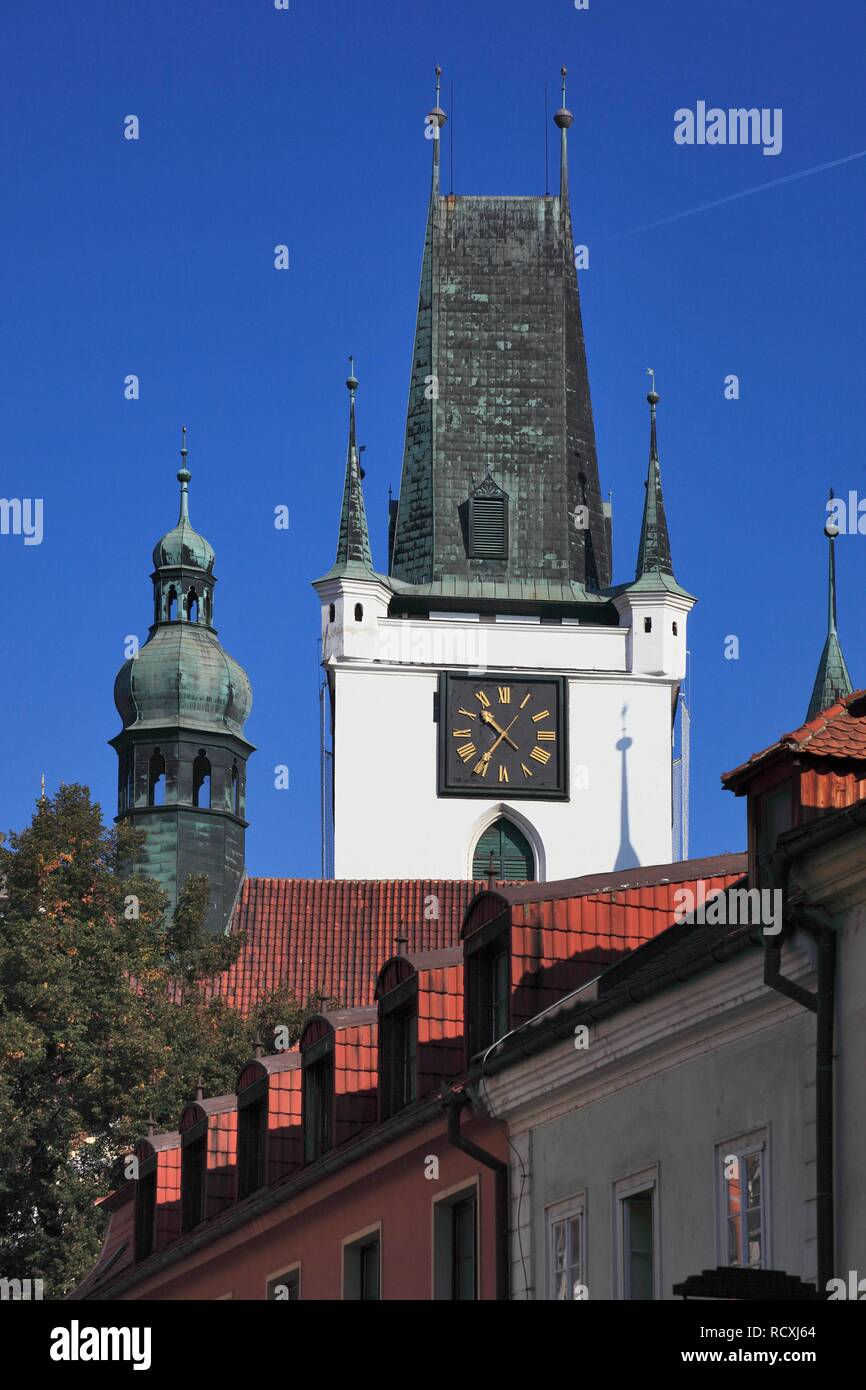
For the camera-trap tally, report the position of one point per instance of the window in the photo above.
(489, 965)
(647, 624)
(455, 1245)
(286, 1286)
(362, 1266)
(332, 612)
(637, 1243)
(192, 606)
(741, 1167)
(359, 612)
(512, 853)
(156, 779)
(318, 1097)
(566, 1250)
(192, 1176)
(674, 629)
(398, 1033)
(252, 1133)
(236, 790)
(207, 607)
(774, 815)
(488, 522)
(172, 604)
(145, 1208)
(201, 780)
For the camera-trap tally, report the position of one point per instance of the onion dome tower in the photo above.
(181, 753)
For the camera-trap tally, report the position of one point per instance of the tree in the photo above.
(104, 1020)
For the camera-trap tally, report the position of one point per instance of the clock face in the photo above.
(502, 736)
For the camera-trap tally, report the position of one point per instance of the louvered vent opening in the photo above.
(512, 853)
(488, 533)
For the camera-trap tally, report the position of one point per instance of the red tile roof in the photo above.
(331, 936)
(839, 731)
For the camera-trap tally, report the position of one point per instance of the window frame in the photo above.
(742, 1145)
(484, 949)
(318, 1057)
(351, 1248)
(566, 1210)
(487, 499)
(195, 1138)
(398, 1008)
(294, 1268)
(645, 1179)
(442, 1250)
(253, 1096)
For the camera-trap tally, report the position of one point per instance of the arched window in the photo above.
(156, 779)
(207, 607)
(359, 612)
(236, 789)
(171, 604)
(192, 606)
(130, 781)
(512, 853)
(332, 612)
(157, 601)
(201, 780)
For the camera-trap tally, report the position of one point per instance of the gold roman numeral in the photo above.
(482, 699)
(526, 771)
(545, 714)
(481, 767)
(503, 773)
(461, 733)
(470, 714)
(505, 694)
(547, 734)
(467, 751)
(540, 755)
(526, 699)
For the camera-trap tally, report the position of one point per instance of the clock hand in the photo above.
(487, 718)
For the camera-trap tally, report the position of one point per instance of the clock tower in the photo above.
(492, 690)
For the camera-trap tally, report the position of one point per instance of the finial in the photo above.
(199, 1089)
(258, 1046)
(183, 477)
(491, 871)
(435, 120)
(563, 119)
(652, 395)
(831, 530)
(42, 797)
(352, 380)
(400, 941)
(151, 1125)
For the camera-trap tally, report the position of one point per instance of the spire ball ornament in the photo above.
(831, 528)
(563, 117)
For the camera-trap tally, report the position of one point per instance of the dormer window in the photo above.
(193, 1172)
(318, 1097)
(398, 1047)
(774, 814)
(489, 987)
(145, 1208)
(488, 522)
(252, 1133)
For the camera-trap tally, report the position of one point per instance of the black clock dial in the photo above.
(502, 736)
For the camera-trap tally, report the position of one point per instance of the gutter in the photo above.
(823, 1004)
(453, 1103)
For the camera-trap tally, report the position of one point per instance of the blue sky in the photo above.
(305, 127)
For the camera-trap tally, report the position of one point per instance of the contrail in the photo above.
(732, 197)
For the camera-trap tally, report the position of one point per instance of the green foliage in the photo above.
(104, 1019)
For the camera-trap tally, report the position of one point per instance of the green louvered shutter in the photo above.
(512, 853)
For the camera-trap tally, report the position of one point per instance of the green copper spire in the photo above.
(353, 545)
(832, 680)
